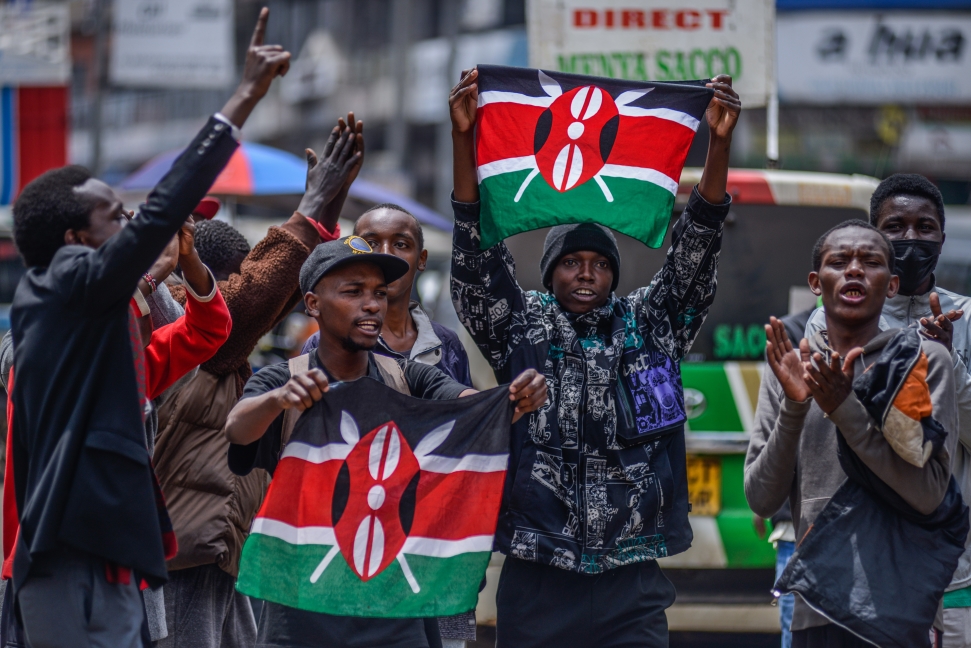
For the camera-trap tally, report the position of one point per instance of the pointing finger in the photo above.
(260, 32)
(935, 303)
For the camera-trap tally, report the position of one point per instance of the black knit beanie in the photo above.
(564, 239)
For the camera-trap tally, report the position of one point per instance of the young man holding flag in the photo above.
(596, 488)
(345, 286)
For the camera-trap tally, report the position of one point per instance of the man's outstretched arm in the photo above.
(112, 271)
(265, 289)
(674, 306)
(722, 116)
(485, 292)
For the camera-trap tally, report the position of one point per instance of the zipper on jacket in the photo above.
(582, 463)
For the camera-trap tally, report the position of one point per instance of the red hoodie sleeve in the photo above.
(11, 520)
(177, 348)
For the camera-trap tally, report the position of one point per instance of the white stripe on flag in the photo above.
(640, 173)
(310, 535)
(470, 462)
(317, 454)
(437, 548)
(661, 113)
(434, 547)
(497, 96)
(509, 165)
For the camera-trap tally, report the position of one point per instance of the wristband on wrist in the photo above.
(150, 280)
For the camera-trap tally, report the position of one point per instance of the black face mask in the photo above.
(914, 261)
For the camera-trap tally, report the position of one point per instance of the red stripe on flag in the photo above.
(457, 505)
(651, 143)
(301, 492)
(511, 128)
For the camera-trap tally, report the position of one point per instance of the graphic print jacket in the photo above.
(597, 476)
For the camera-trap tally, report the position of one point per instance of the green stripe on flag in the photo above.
(639, 209)
(274, 570)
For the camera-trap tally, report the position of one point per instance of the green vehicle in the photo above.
(724, 580)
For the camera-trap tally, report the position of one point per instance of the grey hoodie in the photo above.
(792, 451)
(901, 311)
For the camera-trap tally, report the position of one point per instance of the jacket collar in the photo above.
(426, 341)
(900, 307)
(819, 343)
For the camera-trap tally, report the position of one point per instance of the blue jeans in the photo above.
(786, 602)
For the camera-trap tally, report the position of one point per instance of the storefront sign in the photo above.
(874, 58)
(653, 40)
(173, 43)
(35, 44)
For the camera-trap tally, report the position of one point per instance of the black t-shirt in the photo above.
(282, 626)
(424, 381)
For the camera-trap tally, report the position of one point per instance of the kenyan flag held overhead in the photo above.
(382, 505)
(555, 148)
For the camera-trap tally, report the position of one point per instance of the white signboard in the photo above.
(173, 43)
(657, 40)
(35, 44)
(874, 58)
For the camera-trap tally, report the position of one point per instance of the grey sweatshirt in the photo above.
(901, 311)
(793, 450)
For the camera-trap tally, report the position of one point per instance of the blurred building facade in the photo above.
(393, 61)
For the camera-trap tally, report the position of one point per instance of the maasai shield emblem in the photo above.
(395, 523)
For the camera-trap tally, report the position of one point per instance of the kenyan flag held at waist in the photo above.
(382, 505)
(555, 148)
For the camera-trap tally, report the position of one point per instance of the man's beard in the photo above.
(350, 345)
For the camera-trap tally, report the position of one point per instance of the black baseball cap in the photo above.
(349, 249)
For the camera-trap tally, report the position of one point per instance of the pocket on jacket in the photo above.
(111, 442)
(522, 486)
(665, 478)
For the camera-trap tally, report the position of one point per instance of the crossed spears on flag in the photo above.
(364, 544)
(588, 110)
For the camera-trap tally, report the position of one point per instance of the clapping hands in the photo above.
(804, 375)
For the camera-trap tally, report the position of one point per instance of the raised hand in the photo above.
(187, 238)
(302, 390)
(785, 361)
(263, 64)
(463, 101)
(194, 272)
(358, 129)
(938, 327)
(529, 391)
(830, 383)
(164, 266)
(331, 174)
(725, 106)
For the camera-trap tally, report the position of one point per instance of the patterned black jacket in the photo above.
(597, 476)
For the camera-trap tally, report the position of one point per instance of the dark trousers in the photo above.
(66, 601)
(546, 606)
(204, 610)
(833, 636)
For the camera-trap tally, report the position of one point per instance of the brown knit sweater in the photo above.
(261, 294)
(211, 508)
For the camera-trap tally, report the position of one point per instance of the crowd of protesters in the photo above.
(140, 442)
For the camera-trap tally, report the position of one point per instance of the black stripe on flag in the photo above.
(689, 97)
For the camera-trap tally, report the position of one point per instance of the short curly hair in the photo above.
(48, 207)
(221, 247)
(821, 242)
(394, 207)
(906, 184)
